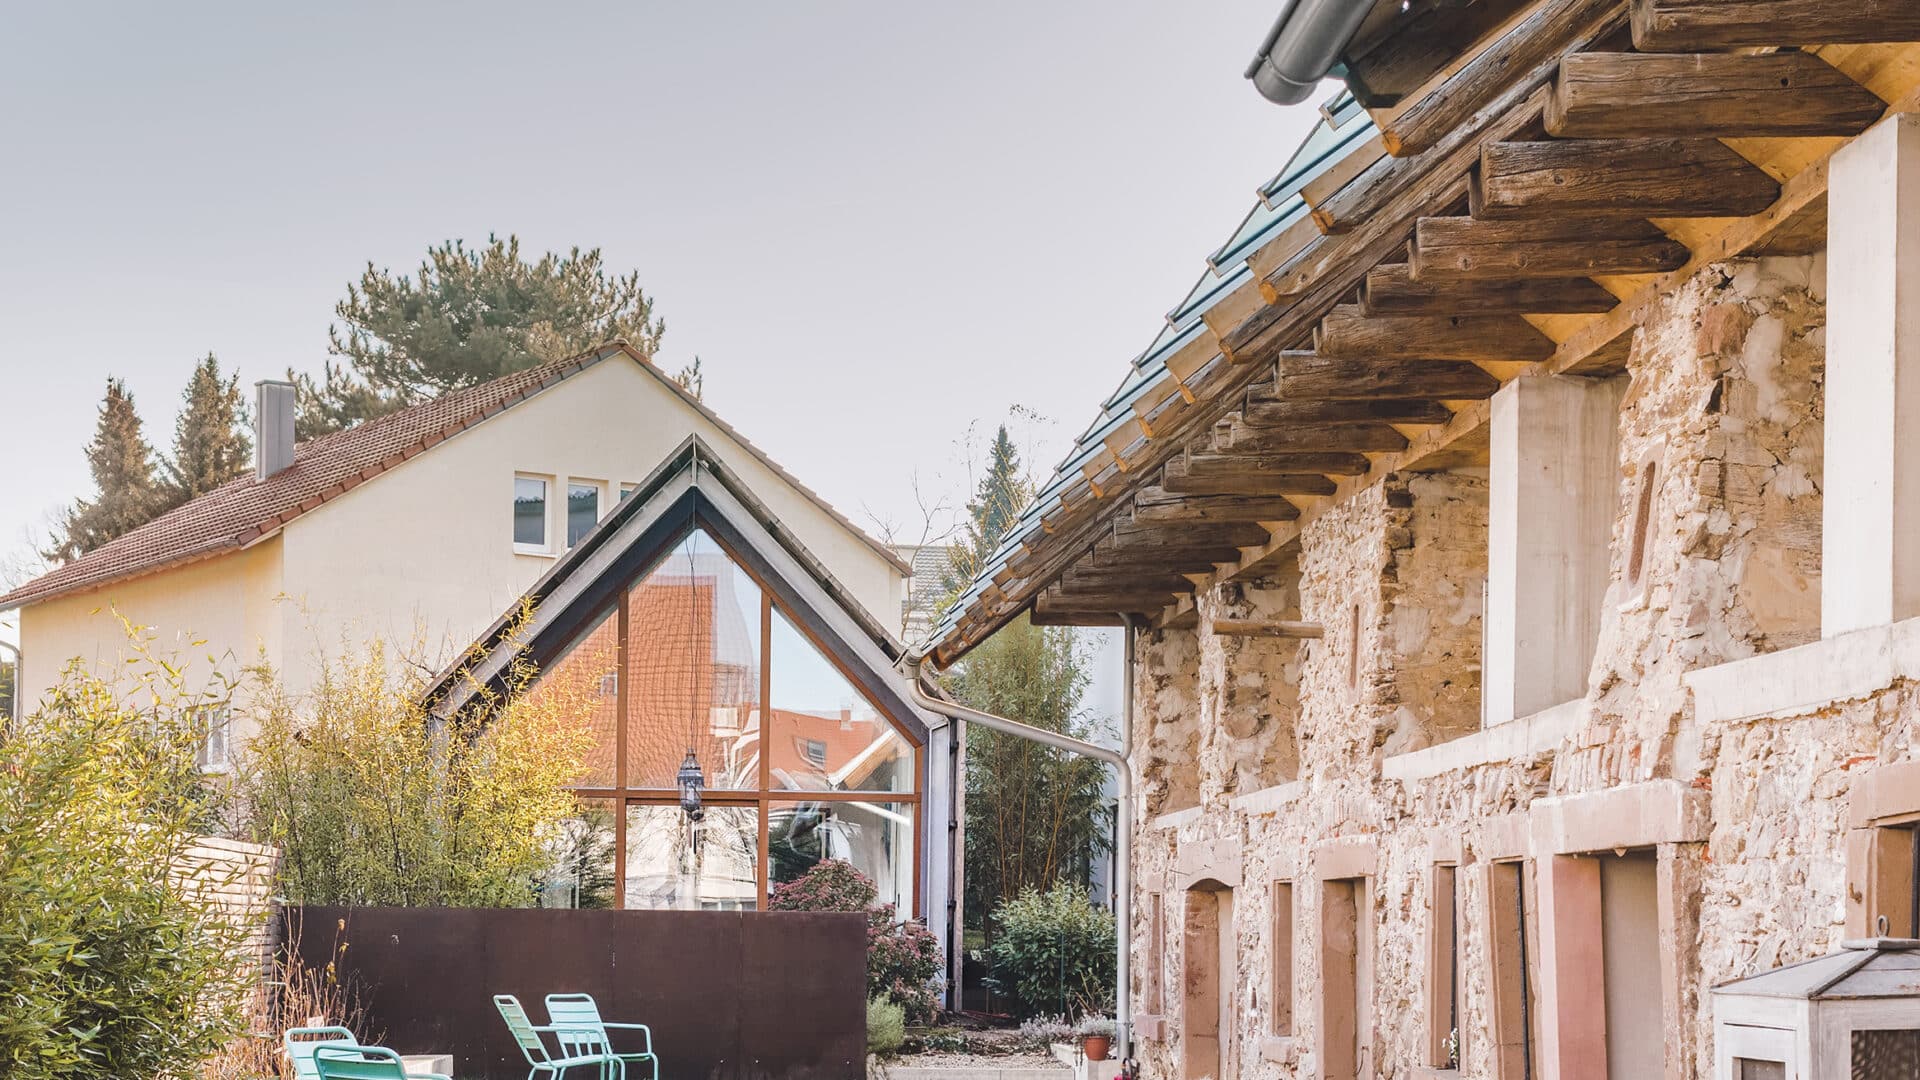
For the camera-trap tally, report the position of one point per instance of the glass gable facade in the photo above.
(798, 764)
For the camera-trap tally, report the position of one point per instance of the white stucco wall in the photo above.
(423, 554)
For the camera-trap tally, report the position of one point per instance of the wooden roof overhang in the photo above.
(1540, 175)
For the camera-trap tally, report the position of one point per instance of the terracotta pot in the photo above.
(1096, 1047)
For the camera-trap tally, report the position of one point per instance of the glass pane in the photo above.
(583, 510)
(587, 678)
(529, 511)
(1890, 1054)
(876, 837)
(712, 866)
(693, 673)
(826, 735)
(580, 873)
(1756, 1069)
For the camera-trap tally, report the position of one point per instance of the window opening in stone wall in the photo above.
(1206, 983)
(1510, 957)
(1629, 946)
(1353, 648)
(1156, 934)
(1894, 889)
(1282, 931)
(1642, 527)
(1443, 1005)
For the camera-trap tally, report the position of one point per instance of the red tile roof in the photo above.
(247, 510)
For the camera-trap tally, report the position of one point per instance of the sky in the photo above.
(880, 225)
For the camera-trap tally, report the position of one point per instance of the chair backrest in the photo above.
(522, 1028)
(358, 1063)
(303, 1042)
(577, 1024)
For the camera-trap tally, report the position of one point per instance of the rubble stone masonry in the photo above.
(1362, 754)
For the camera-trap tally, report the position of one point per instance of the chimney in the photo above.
(272, 427)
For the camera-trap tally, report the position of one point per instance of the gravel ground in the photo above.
(1025, 1060)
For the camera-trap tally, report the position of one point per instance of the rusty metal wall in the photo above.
(729, 995)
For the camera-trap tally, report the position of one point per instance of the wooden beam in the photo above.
(1243, 438)
(1458, 249)
(1182, 478)
(1414, 49)
(1158, 506)
(1305, 376)
(1276, 628)
(1524, 57)
(1264, 409)
(1127, 533)
(1392, 290)
(1724, 95)
(1349, 334)
(1682, 25)
(1636, 178)
(1147, 558)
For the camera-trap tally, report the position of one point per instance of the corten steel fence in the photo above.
(729, 995)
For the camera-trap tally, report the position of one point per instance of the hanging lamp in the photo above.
(690, 780)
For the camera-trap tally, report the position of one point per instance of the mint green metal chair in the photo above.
(541, 1063)
(336, 1062)
(303, 1043)
(577, 1024)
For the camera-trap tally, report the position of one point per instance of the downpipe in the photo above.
(1123, 811)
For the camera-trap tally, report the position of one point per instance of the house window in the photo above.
(1346, 978)
(1282, 930)
(1642, 529)
(1443, 970)
(530, 514)
(1893, 880)
(583, 509)
(800, 765)
(210, 732)
(1510, 956)
(1156, 954)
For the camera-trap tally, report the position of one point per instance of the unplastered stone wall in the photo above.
(1721, 423)
(1724, 404)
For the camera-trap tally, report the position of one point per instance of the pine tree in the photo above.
(127, 495)
(1003, 492)
(468, 316)
(210, 441)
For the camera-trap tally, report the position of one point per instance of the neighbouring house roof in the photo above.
(248, 510)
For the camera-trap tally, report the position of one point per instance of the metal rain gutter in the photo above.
(1123, 792)
(1303, 47)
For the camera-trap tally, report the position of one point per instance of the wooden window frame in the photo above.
(1444, 982)
(1513, 973)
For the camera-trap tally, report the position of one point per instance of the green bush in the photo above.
(111, 962)
(1053, 953)
(903, 958)
(886, 1026)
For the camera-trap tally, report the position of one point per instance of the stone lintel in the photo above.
(1884, 793)
(1345, 857)
(1200, 861)
(1635, 815)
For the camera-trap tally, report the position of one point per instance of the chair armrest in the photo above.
(642, 1029)
(428, 1076)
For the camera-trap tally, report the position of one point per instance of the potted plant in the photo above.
(1096, 1036)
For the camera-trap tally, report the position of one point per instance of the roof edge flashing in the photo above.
(1303, 46)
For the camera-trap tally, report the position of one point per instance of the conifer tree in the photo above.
(469, 315)
(210, 441)
(127, 495)
(1003, 492)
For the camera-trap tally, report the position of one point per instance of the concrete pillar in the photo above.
(1553, 479)
(1870, 527)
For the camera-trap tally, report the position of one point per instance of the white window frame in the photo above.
(545, 547)
(600, 505)
(206, 720)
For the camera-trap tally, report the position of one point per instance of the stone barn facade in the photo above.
(1514, 662)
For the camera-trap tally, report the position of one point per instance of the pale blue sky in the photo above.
(876, 222)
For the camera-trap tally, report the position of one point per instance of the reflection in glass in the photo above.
(529, 511)
(876, 837)
(694, 669)
(826, 735)
(580, 850)
(589, 673)
(708, 865)
(583, 510)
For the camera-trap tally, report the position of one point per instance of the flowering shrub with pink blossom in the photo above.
(903, 956)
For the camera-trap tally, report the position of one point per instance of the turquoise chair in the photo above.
(336, 1062)
(542, 1064)
(577, 1024)
(305, 1042)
